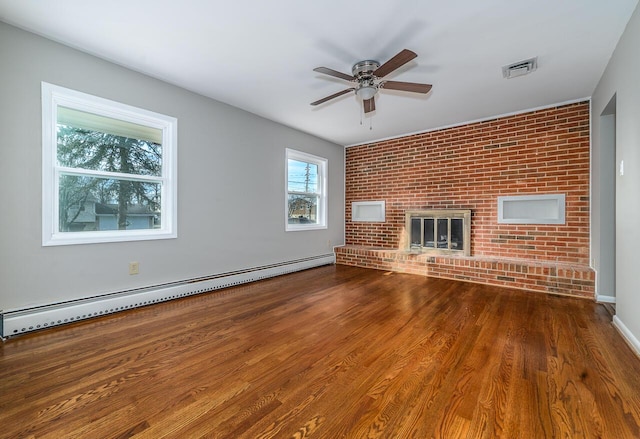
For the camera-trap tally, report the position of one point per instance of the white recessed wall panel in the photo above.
(368, 211)
(532, 209)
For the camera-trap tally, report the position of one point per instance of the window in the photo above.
(108, 170)
(306, 191)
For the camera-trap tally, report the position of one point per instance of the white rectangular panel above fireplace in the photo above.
(439, 231)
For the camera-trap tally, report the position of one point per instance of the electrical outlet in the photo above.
(134, 268)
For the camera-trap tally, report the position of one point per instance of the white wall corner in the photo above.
(631, 339)
(605, 299)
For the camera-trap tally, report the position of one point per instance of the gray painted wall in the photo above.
(231, 174)
(620, 79)
(606, 215)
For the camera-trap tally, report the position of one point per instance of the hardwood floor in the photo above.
(333, 352)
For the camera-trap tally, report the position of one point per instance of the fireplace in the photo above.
(439, 231)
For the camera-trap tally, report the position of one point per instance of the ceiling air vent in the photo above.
(520, 68)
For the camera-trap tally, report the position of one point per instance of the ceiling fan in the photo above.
(367, 78)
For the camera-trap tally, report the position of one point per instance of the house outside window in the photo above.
(306, 203)
(109, 170)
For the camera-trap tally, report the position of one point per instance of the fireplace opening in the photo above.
(439, 231)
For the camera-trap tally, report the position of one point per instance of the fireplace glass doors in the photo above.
(439, 231)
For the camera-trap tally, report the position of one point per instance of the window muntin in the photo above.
(109, 170)
(306, 191)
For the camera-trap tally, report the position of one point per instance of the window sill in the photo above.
(291, 228)
(74, 238)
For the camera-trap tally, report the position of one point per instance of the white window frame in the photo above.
(321, 213)
(54, 96)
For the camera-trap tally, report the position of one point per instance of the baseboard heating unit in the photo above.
(20, 321)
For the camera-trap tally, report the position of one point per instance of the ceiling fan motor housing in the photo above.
(363, 70)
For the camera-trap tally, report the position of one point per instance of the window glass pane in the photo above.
(303, 209)
(415, 232)
(303, 177)
(79, 147)
(457, 237)
(94, 204)
(428, 233)
(443, 233)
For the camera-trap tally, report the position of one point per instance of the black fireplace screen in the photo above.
(441, 233)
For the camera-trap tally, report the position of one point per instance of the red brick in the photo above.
(544, 151)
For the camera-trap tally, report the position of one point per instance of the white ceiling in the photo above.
(259, 55)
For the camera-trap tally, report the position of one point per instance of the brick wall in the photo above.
(468, 167)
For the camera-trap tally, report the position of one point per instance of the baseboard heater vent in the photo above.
(20, 321)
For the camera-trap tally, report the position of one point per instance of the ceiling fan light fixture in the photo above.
(366, 92)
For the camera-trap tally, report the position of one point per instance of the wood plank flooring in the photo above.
(332, 352)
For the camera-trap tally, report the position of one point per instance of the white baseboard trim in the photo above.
(627, 335)
(605, 299)
(20, 321)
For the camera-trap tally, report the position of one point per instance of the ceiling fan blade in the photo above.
(394, 63)
(335, 95)
(331, 72)
(406, 86)
(369, 105)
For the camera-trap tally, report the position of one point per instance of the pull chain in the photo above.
(362, 116)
